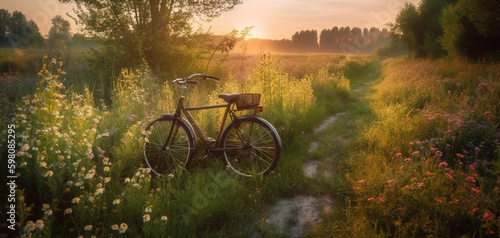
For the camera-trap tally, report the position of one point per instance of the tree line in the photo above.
(457, 28)
(335, 40)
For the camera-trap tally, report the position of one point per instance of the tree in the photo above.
(472, 29)
(146, 29)
(23, 33)
(407, 27)
(59, 36)
(4, 24)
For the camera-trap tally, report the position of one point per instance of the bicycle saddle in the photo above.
(229, 98)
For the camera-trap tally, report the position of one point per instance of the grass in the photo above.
(80, 164)
(425, 160)
(415, 158)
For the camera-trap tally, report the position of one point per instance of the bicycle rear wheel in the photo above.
(164, 157)
(251, 146)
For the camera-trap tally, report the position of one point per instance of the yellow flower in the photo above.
(68, 211)
(148, 209)
(87, 228)
(48, 174)
(123, 228)
(164, 218)
(114, 227)
(39, 224)
(116, 201)
(75, 200)
(146, 218)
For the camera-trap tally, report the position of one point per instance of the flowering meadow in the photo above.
(79, 164)
(428, 164)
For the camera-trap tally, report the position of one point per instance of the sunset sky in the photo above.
(271, 19)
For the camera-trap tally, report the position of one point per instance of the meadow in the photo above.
(79, 160)
(421, 158)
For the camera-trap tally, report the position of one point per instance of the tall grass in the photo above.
(429, 166)
(80, 160)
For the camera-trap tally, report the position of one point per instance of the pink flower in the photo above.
(438, 200)
(381, 199)
(449, 176)
(420, 185)
(443, 164)
(460, 155)
(371, 199)
(407, 160)
(489, 216)
(398, 154)
(429, 173)
(361, 181)
(470, 178)
(390, 181)
(476, 190)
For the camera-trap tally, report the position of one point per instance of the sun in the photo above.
(251, 34)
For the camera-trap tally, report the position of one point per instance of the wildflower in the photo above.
(127, 180)
(75, 200)
(449, 176)
(476, 190)
(105, 160)
(420, 185)
(390, 181)
(429, 173)
(99, 191)
(48, 174)
(45, 207)
(88, 176)
(361, 181)
(87, 228)
(398, 154)
(123, 228)
(460, 155)
(489, 216)
(116, 201)
(407, 160)
(148, 209)
(438, 200)
(381, 199)
(107, 179)
(30, 226)
(48, 212)
(371, 199)
(114, 227)
(91, 199)
(444, 164)
(164, 218)
(146, 218)
(43, 164)
(106, 169)
(39, 224)
(68, 211)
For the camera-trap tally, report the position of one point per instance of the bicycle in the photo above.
(248, 144)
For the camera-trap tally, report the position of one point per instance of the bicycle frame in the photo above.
(215, 147)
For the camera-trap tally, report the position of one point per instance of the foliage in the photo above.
(59, 36)
(430, 167)
(471, 30)
(16, 31)
(80, 170)
(147, 29)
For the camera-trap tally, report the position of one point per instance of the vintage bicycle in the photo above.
(248, 144)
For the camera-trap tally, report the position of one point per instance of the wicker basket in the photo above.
(246, 101)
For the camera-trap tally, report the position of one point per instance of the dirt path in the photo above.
(296, 216)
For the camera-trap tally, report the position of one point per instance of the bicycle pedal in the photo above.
(211, 140)
(203, 158)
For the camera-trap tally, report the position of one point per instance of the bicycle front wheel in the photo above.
(162, 156)
(251, 146)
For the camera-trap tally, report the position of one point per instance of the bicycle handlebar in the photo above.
(189, 79)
